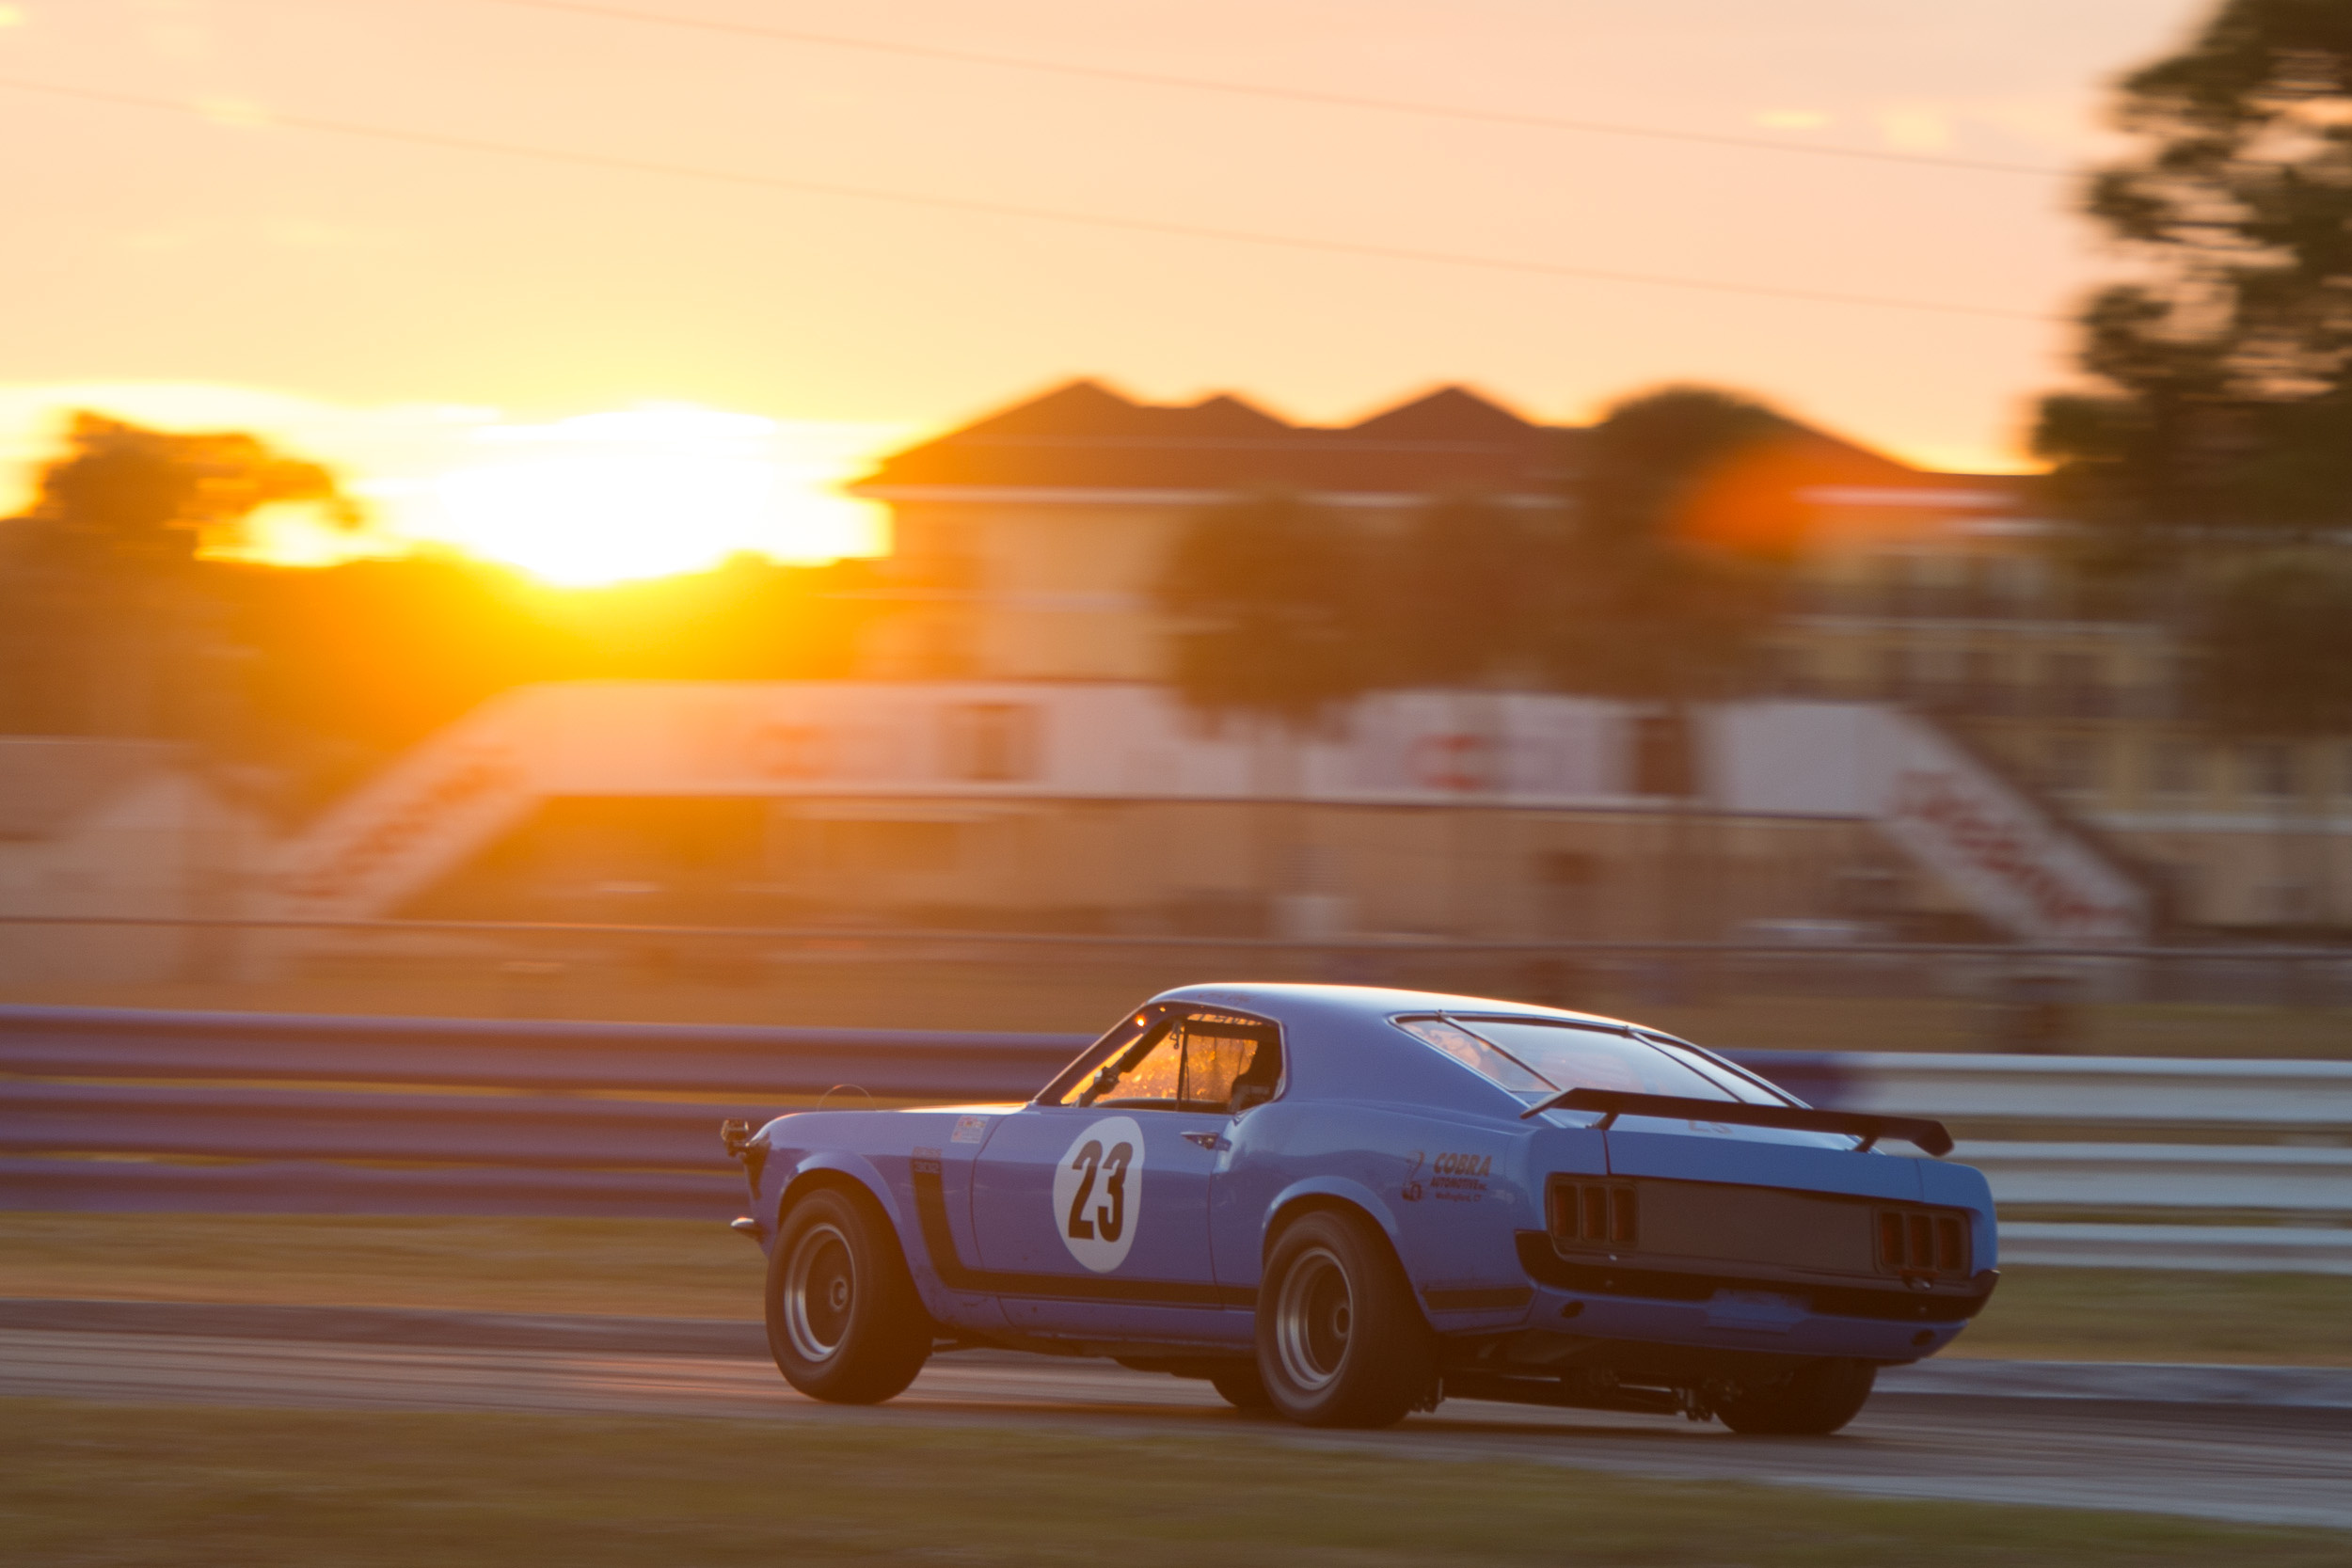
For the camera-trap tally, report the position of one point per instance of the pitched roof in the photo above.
(1085, 436)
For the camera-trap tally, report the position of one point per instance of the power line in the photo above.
(260, 119)
(1279, 94)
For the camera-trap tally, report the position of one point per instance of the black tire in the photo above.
(1238, 1385)
(1813, 1402)
(844, 1322)
(1341, 1340)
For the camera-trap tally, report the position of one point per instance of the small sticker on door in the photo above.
(970, 1130)
(1098, 1192)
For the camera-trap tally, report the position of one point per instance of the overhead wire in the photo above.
(1271, 92)
(262, 120)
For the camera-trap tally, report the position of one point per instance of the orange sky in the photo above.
(168, 247)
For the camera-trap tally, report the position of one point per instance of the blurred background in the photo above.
(541, 509)
(571, 568)
(534, 510)
(1821, 532)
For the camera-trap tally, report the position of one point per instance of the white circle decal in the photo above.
(1098, 1192)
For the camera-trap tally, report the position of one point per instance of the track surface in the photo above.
(2260, 1465)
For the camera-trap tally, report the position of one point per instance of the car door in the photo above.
(1092, 1216)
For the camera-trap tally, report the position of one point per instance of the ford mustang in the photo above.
(1343, 1204)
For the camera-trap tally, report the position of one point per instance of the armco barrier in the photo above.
(121, 1109)
(211, 1122)
(126, 1109)
(2123, 1177)
(664, 1058)
(2234, 1248)
(2086, 1089)
(273, 1187)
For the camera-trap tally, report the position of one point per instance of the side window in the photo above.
(1229, 1057)
(1195, 1062)
(1145, 1076)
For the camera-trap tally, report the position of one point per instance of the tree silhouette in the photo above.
(2209, 461)
(1284, 610)
(123, 495)
(2275, 649)
(1639, 607)
(2221, 373)
(107, 624)
(1267, 595)
(2274, 668)
(1462, 595)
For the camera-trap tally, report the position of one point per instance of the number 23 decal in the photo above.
(1112, 1217)
(1098, 1192)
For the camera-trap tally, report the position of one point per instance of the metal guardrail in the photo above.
(125, 948)
(127, 1109)
(130, 1109)
(484, 1053)
(293, 1187)
(2108, 1089)
(2228, 1249)
(2123, 1177)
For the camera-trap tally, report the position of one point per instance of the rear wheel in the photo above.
(1341, 1341)
(1816, 1400)
(844, 1322)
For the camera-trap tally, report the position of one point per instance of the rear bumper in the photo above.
(1874, 1321)
(1890, 1301)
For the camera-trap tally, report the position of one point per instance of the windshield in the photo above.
(1529, 1055)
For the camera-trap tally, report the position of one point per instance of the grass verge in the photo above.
(665, 1268)
(631, 1268)
(2047, 1314)
(117, 1486)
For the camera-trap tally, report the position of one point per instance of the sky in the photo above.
(440, 318)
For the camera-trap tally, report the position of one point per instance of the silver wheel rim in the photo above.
(819, 1292)
(1314, 1318)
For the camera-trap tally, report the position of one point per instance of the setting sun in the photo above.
(642, 492)
(576, 501)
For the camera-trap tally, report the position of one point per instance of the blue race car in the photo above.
(1344, 1204)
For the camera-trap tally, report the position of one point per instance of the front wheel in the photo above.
(1813, 1402)
(1341, 1341)
(844, 1322)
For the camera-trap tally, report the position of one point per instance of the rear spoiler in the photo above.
(1613, 1104)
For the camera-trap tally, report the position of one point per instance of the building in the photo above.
(1028, 543)
(1101, 806)
(1012, 756)
(1025, 543)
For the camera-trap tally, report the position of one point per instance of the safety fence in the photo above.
(2019, 996)
(2164, 1162)
(2153, 1162)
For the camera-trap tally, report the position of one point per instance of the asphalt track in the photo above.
(2258, 1464)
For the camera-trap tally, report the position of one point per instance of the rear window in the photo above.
(1477, 1055)
(1525, 1056)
